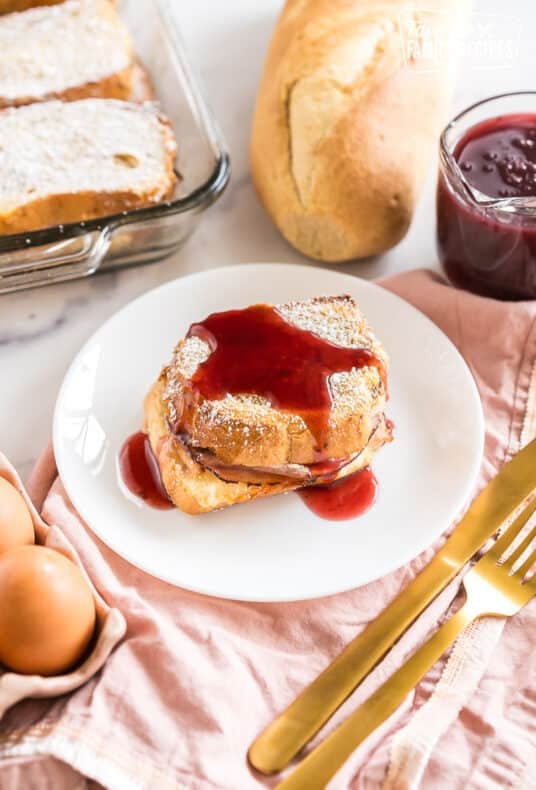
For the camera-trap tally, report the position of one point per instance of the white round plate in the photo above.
(273, 549)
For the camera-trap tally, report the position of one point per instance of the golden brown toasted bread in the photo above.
(9, 6)
(240, 447)
(194, 488)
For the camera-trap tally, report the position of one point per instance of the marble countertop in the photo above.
(42, 329)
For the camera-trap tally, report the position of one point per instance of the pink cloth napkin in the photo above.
(197, 678)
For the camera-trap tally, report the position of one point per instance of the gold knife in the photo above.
(292, 729)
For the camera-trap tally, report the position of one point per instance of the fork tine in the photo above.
(508, 537)
(521, 549)
(527, 565)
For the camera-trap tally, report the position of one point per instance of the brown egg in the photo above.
(16, 527)
(47, 612)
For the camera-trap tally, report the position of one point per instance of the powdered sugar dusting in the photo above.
(337, 320)
(99, 145)
(355, 391)
(190, 354)
(48, 49)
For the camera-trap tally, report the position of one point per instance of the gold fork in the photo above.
(289, 732)
(495, 586)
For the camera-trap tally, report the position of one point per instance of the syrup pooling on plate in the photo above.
(344, 499)
(140, 472)
(256, 351)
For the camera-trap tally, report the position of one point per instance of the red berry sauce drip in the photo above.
(344, 499)
(256, 351)
(140, 472)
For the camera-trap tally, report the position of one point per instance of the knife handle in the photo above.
(323, 762)
(281, 741)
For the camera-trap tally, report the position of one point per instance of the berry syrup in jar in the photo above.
(486, 199)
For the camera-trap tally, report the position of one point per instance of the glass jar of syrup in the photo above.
(486, 198)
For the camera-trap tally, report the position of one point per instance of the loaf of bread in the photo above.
(345, 121)
(72, 50)
(71, 161)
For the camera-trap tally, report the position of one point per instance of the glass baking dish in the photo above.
(143, 235)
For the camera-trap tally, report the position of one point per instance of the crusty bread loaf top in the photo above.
(246, 429)
(92, 145)
(46, 51)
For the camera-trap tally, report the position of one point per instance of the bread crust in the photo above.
(78, 207)
(9, 6)
(114, 86)
(191, 487)
(343, 128)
